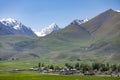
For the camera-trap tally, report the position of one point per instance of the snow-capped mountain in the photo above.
(48, 30)
(78, 22)
(11, 23)
(14, 27)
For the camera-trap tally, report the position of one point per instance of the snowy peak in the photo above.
(51, 28)
(9, 20)
(78, 22)
(11, 23)
(15, 27)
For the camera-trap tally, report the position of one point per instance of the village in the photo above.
(96, 69)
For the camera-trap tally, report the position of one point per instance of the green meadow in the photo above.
(38, 76)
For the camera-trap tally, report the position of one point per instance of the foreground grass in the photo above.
(37, 76)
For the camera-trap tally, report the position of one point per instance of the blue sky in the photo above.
(41, 13)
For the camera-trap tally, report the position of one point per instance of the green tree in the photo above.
(51, 67)
(102, 67)
(107, 66)
(39, 65)
(114, 67)
(95, 66)
(42, 65)
(118, 68)
(77, 66)
(85, 67)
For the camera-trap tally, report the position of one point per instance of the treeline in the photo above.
(94, 67)
(85, 67)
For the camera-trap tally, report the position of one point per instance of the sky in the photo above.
(38, 14)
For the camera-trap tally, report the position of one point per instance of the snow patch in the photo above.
(48, 30)
(17, 27)
(78, 22)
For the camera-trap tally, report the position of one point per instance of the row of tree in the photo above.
(86, 67)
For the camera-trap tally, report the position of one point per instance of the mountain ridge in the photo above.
(47, 30)
(14, 27)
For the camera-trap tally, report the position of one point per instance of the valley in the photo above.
(94, 41)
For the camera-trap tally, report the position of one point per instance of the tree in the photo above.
(85, 67)
(102, 67)
(39, 65)
(77, 66)
(118, 68)
(51, 67)
(68, 66)
(114, 67)
(42, 65)
(107, 66)
(96, 66)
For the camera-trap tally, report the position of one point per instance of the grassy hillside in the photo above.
(72, 32)
(104, 25)
(7, 43)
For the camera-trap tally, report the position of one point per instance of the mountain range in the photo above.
(93, 40)
(10, 26)
(54, 27)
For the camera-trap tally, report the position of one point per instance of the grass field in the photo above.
(37, 76)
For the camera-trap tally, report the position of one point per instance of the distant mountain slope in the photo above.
(104, 25)
(51, 28)
(10, 26)
(105, 28)
(5, 30)
(72, 32)
(8, 47)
